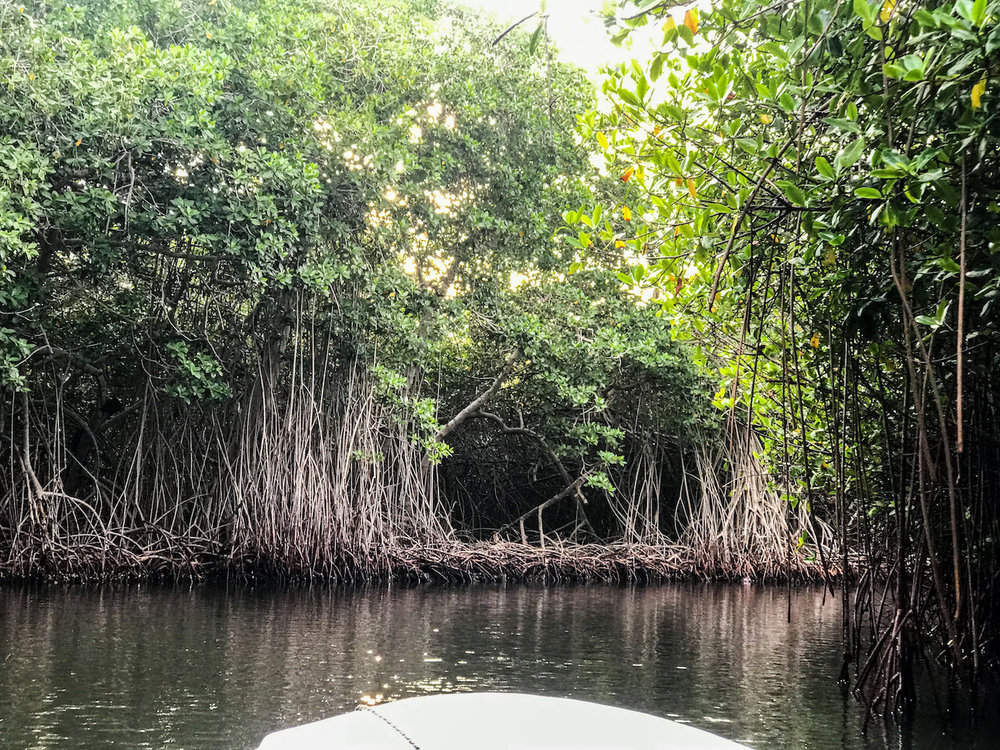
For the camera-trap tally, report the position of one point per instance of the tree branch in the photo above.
(485, 396)
(571, 489)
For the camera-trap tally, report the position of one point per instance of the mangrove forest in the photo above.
(363, 291)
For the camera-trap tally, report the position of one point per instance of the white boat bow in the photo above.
(495, 721)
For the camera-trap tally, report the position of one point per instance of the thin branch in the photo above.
(961, 317)
(512, 27)
(739, 220)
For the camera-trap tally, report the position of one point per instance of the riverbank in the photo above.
(441, 563)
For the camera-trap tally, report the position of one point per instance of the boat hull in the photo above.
(495, 721)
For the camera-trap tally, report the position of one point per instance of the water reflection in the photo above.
(209, 668)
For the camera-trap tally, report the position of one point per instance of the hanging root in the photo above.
(317, 480)
(736, 524)
(320, 478)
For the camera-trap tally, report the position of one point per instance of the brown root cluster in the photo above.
(441, 563)
(606, 563)
(322, 479)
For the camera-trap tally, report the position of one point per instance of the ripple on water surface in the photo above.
(208, 669)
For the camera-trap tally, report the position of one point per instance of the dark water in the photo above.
(215, 669)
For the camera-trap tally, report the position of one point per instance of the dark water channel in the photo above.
(213, 669)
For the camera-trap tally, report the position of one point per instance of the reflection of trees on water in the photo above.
(210, 669)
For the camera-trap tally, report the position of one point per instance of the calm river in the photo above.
(212, 669)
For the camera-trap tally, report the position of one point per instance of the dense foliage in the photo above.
(266, 265)
(813, 188)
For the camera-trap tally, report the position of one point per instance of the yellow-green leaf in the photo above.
(977, 93)
(691, 20)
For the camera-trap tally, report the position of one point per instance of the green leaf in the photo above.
(824, 168)
(864, 11)
(675, 166)
(671, 111)
(536, 37)
(942, 309)
(841, 124)
(979, 12)
(641, 87)
(948, 264)
(792, 192)
(868, 192)
(846, 158)
(964, 9)
(657, 67)
(894, 159)
(628, 97)
(874, 32)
